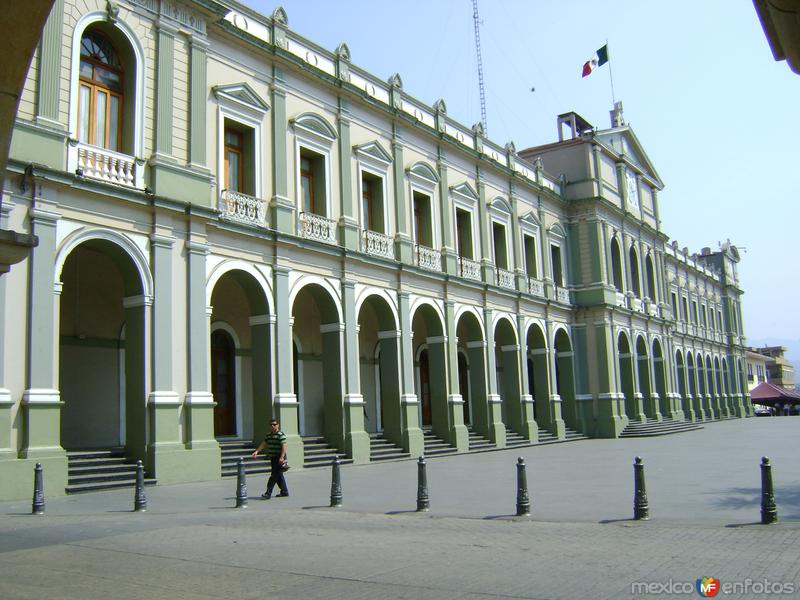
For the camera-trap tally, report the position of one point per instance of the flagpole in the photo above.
(611, 75)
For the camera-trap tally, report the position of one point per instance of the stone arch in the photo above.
(105, 405)
(536, 362)
(318, 325)
(379, 364)
(660, 370)
(429, 346)
(625, 357)
(239, 297)
(507, 375)
(472, 384)
(260, 278)
(565, 376)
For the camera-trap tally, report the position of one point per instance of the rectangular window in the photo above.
(423, 225)
(749, 371)
(500, 250)
(464, 233)
(372, 202)
(719, 319)
(530, 256)
(558, 271)
(675, 313)
(695, 319)
(312, 182)
(704, 316)
(685, 304)
(239, 158)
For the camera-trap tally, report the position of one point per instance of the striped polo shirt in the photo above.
(274, 443)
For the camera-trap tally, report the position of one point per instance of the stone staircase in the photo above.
(232, 450)
(382, 449)
(318, 453)
(655, 428)
(101, 469)
(434, 446)
(515, 440)
(478, 443)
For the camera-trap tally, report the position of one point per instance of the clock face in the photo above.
(632, 189)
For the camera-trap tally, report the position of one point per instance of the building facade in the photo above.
(235, 225)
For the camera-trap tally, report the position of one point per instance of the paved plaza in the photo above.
(579, 541)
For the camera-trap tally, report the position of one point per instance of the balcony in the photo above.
(235, 206)
(316, 227)
(105, 165)
(621, 300)
(377, 244)
(505, 279)
(469, 269)
(536, 287)
(562, 295)
(427, 258)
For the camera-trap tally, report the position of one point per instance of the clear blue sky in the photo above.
(714, 111)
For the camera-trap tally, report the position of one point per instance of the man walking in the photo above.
(275, 443)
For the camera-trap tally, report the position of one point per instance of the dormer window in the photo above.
(100, 95)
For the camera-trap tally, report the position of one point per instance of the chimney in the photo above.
(617, 119)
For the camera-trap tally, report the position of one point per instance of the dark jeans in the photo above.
(276, 476)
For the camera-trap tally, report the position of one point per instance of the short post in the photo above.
(523, 502)
(336, 484)
(139, 499)
(769, 510)
(241, 486)
(641, 509)
(38, 490)
(423, 502)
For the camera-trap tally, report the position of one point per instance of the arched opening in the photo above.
(616, 265)
(507, 373)
(683, 390)
(565, 379)
(645, 387)
(378, 353)
(318, 366)
(696, 401)
(660, 373)
(702, 401)
(240, 345)
(538, 378)
(625, 357)
(635, 278)
(472, 373)
(722, 402)
(106, 89)
(650, 277)
(431, 381)
(711, 397)
(102, 350)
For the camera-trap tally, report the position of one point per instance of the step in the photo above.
(111, 485)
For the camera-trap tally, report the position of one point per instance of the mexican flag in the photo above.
(600, 58)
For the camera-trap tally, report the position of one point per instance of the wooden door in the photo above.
(223, 382)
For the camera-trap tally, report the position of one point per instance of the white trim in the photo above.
(228, 110)
(313, 141)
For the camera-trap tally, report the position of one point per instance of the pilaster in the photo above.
(198, 105)
(413, 441)
(348, 222)
(458, 435)
(404, 249)
(449, 257)
(356, 440)
(282, 208)
(49, 73)
(165, 74)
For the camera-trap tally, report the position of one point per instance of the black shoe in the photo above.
(266, 496)
(283, 495)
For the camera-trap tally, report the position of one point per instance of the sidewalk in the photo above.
(579, 542)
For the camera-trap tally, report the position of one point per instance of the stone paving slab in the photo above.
(579, 541)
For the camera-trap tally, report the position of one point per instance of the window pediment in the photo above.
(465, 191)
(375, 153)
(242, 96)
(423, 176)
(316, 127)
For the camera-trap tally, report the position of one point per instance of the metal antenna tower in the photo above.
(476, 19)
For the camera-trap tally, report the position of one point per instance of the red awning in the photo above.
(767, 393)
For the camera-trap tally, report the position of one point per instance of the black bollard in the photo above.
(139, 499)
(38, 491)
(423, 502)
(769, 510)
(241, 486)
(523, 502)
(336, 484)
(641, 509)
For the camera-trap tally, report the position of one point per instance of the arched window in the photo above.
(100, 96)
(651, 278)
(616, 265)
(634, 266)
